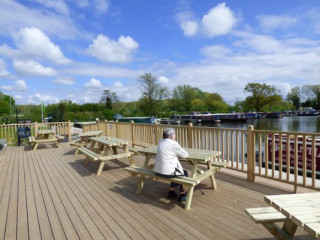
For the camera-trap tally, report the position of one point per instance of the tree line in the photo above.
(157, 100)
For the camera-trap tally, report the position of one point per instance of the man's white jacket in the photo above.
(167, 157)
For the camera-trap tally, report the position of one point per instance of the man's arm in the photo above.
(180, 151)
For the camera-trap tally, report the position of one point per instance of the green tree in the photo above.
(108, 98)
(197, 105)
(183, 95)
(153, 94)
(4, 108)
(58, 112)
(261, 96)
(294, 97)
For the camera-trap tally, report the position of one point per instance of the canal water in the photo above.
(308, 124)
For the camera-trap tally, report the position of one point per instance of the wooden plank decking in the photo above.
(49, 194)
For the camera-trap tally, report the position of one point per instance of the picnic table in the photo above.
(84, 139)
(294, 210)
(196, 158)
(107, 150)
(44, 136)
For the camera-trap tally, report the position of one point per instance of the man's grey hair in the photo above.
(168, 133)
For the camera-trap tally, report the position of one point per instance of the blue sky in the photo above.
(74, 49)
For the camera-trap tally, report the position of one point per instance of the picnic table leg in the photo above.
(100, 168)
(140, 185)
(76, 152)
(114, 149)
(213, 180)
(141, 182)
(132, 163)
(92, 144)
(189, 198)
(289, 227)
(86, 161)
(35, 146)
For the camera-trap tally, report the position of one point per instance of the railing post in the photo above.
(250, 154)
(132, 136)
(106, 125)
(35, 128)
(69, 131)
(190, 138)
(156, 135)
(116, 128)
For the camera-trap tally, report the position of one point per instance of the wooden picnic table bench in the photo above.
(294, 210)
(107, 150)
(84, 139)
(196, 157)
(45, 136)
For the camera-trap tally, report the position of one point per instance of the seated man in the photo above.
(167, 163)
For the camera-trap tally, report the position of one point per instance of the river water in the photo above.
(309, 124)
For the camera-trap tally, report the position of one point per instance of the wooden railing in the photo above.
(255, 152)
(9, 131)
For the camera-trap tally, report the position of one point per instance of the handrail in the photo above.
(255, 152)
(246, 150)
(9, 131)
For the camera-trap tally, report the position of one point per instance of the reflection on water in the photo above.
(309, 124)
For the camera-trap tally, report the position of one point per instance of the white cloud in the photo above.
(163, 79)
(108, 50)
(190, 28)
(262, 43)
(219, 20)
(14, 15)
(118, 84)
(215, 51)
(64, 80)
(229, 74)
(33, 68)
(18, 97)
(3, 69)
(39, 98)
(35, 44)
(18, 86)
(58, 5)
(101, 6)
(93, 83)
(271, 22)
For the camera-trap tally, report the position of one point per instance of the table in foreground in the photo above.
(301, 210)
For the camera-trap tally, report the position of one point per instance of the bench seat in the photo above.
(60, 137)
(265, 215)
(93, 156)
(90, 154)
(151, 173)
(35, 142)
(186, 181)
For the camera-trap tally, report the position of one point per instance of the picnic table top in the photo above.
(91, 134)
(46, 131)
(194, 154)
(109, 141)
(303, 209)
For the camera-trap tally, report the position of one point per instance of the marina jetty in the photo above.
(196, 117)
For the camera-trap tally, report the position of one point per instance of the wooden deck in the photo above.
(49, 194)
